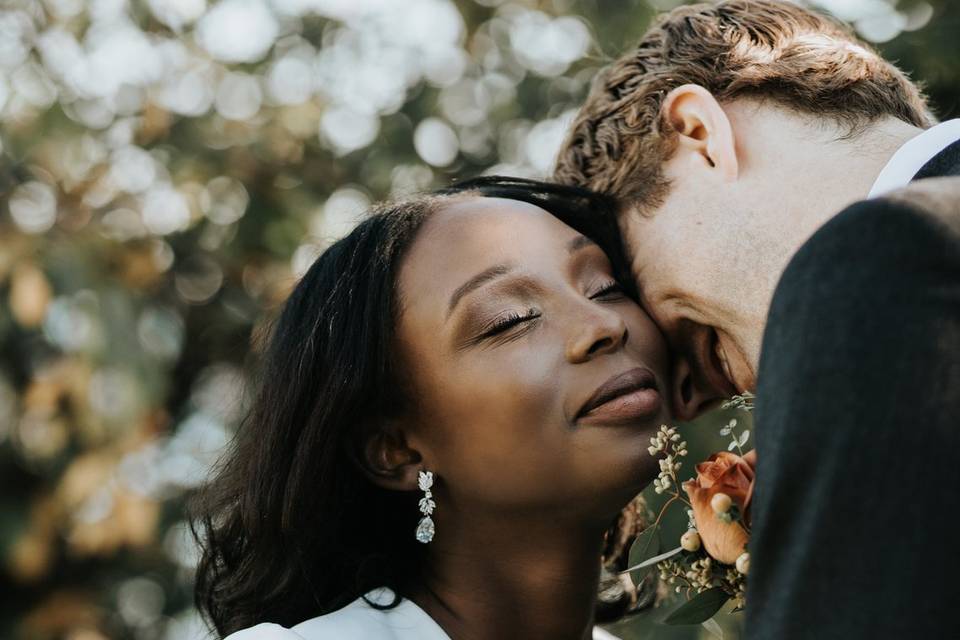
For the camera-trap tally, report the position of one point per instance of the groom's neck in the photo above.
(798, 171)
(838, 170)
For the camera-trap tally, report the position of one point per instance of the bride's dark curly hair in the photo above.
(289, 527)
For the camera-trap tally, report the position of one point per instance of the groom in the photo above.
(792, 215)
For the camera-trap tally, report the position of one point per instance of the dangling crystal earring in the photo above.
(425, 529)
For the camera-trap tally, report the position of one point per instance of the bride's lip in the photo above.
(625, 398)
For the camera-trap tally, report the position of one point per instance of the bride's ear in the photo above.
(704, 132)
(388, 459)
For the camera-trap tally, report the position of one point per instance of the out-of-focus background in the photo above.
(168, 168)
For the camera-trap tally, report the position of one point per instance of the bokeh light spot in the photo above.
(436, 142)
(198, 279)
(238, 96)
(238, 30)
(33, 207)
(347, 130)
(165, 210)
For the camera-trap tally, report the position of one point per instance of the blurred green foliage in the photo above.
(169, 168)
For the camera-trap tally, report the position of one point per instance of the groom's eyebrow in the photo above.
(579, 243)
(476, 282)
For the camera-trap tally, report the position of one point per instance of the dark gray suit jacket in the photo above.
(857, 504)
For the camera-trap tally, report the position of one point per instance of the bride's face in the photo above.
(537, 382)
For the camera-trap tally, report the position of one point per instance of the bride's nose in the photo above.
(691, 394)
(601, 331)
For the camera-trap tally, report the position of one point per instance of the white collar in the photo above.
(915, 153)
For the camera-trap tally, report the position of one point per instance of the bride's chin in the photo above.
(634, 489)
(624, 480)
(647, 471)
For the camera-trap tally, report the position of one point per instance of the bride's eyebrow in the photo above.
(487, 275)
(477, 281)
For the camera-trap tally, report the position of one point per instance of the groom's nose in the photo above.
(691, 393)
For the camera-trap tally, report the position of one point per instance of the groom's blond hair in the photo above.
(761, 49)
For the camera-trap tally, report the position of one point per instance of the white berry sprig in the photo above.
(667, 443)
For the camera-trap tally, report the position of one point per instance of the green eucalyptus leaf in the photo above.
(699, 608)
(646, 546)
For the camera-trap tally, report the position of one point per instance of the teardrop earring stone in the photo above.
(425, 530)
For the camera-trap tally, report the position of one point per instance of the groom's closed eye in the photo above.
(608, 292)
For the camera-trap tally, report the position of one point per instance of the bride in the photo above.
(456, 402)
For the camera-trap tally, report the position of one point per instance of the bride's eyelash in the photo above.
(504, 323)
(509, 321)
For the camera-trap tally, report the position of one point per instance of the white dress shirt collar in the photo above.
(915, 153)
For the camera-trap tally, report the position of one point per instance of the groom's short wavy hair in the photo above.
(760, 49)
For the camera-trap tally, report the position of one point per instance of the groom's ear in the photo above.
(704, 133)
(388, 459)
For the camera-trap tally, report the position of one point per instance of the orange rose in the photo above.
(732, 475)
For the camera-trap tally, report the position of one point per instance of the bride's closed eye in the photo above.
(608, 292)
(505, 322)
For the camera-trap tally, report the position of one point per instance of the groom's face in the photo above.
(688, 282)
(701, 263)
(707, 257)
